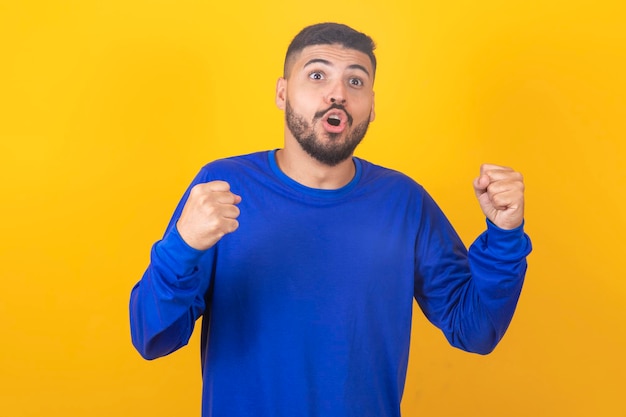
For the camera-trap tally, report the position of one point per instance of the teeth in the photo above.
(334, 120)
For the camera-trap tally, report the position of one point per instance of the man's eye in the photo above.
(316, 75)
(356, 82)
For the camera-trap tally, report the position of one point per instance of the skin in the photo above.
(317, 77)
(500, 194)
(210, 213)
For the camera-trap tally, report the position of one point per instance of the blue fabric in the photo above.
(307, 306)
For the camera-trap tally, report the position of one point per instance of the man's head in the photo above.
(327, 91)
(329, 34)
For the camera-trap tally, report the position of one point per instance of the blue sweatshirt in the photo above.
(306, 308)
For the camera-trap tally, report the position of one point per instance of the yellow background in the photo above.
(109, 108)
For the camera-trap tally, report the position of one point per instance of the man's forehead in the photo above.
(333, 54)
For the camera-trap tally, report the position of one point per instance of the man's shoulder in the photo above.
(235, 169)
(253, 160)
(389, 176)
(236, 165)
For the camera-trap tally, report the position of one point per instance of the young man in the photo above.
(304, 261)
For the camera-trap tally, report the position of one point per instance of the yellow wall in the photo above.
(108, 109)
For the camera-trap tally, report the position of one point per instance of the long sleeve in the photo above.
(471, 296)
(169, 298)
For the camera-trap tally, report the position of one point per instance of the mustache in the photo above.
(321, 113)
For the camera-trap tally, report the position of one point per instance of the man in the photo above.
(304, 261)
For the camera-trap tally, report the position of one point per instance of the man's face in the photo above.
(328, 100)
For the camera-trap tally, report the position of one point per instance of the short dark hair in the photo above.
(329, 34)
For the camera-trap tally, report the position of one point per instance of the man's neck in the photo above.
(306, 170)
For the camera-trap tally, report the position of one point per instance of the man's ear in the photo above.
(281, 93)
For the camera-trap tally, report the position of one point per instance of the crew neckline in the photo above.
(315, 192)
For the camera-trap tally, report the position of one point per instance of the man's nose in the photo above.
(337, 93)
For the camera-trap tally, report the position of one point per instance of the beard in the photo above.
(334, 150)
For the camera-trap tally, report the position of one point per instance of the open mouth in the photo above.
(334, 120)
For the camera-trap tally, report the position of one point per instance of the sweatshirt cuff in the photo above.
(177, 255)
(507, 243)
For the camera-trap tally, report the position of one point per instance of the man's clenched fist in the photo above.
(210, 213)
(500, 193)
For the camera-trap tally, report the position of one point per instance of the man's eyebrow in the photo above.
(326, 62)
(317, 61)
(359, 67)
